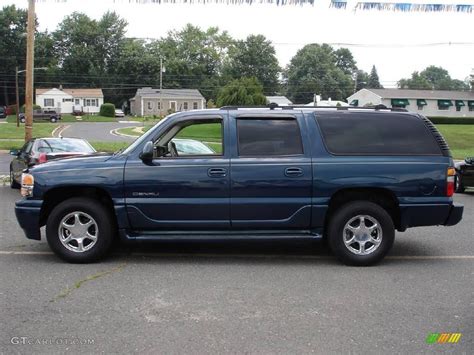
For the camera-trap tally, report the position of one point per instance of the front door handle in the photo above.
(217, 172)
(293, 172)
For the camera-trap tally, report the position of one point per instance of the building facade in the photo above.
(148, 101)
(70, 100)
(431, 103)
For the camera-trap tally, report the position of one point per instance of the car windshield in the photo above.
(191, 147)
(64, 145)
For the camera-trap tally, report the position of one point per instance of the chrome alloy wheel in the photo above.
(78, 232)
(362, 235)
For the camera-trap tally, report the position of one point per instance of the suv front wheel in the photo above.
(79, 230)
(361, 233)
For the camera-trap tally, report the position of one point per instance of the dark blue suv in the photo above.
(351, 176)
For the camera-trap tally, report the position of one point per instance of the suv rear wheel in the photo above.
(361, 233)
(79, 230)
(53, 119)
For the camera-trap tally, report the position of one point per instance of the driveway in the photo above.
(238, 297)
(97, 131)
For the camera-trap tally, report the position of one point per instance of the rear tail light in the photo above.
(42, 158)
(450, 182)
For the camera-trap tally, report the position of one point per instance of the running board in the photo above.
(147, 236)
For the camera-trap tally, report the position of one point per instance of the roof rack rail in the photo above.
(341, 108)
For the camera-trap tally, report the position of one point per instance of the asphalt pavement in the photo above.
(238, 297)
(97, 131)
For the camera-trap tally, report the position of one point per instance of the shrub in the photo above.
(35, 107)
(452, 120)
(107, 110)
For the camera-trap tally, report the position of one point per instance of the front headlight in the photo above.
(27, 184)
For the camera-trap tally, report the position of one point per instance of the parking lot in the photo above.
(221, 297)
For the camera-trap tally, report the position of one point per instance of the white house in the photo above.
(148, 101)
(279, 100)
(431, 103)
(70, 100)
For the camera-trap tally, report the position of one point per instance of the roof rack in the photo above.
(340, 108)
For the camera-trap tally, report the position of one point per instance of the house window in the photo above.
(77, 101)
(149, 105)
(173, 106)
(158, 105)
(421, 103)
(185, 105)
(459, 105)
(48, 102)
(195, 105)
(67, 100)
(470, 104)
(444, 105)
(91, 102)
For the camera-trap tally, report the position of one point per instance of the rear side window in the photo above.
(269, 137)
(377, 134)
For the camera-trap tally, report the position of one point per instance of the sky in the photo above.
(397, 43)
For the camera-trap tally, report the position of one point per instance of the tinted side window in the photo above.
(377, 134)
(268, 137)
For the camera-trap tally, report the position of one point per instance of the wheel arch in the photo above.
(57, 195)
(380, 196)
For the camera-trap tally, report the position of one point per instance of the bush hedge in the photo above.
(22, 108)
(452, 120)
(107, 110)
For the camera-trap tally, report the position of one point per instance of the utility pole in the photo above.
(161, 84)
(17, 98)
(30, 53)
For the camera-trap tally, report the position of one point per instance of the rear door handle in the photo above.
(217, 172)
(293, 172)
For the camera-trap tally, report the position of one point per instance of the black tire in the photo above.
(13, 183)
(337, 233)
(53, 119)
(22, 119)
(105, 230)
(459, 184)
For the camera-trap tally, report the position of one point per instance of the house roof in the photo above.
(279, 100)
(170, 93)
(422, 94)
(74, 92)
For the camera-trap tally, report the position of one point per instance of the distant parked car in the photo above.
(3, 112)
(191, 147)
(119, 113)
(464, 174)
(42, 150)
(50, 115)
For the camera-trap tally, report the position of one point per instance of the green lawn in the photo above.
(71, 118)
(460, 139)
(11, 131)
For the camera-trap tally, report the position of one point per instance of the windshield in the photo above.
(64, 145)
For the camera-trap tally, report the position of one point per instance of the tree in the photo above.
(345, 61)
(434, 78)
(416, 82)
(242, 92)
(12, 48)
(314, 70)
(362, 79)
(374, 82)
(255, 57)
(88, 48)
(193, 58)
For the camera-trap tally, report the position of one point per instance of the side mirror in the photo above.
(147, 152)
(14, 152)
